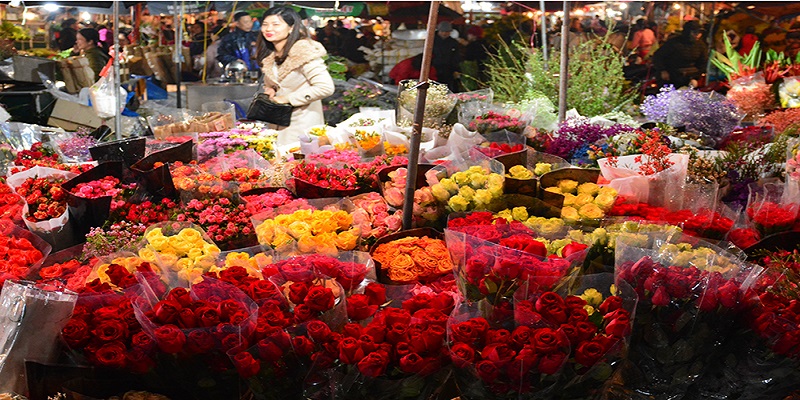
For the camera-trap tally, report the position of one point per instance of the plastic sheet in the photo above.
(103, 97)
(662, 189)
(30, 325)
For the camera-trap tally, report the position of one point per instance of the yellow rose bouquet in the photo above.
(584, 202)
(473, 189)
(310, 231)
(182, 251)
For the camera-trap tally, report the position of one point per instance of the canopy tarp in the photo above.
(344, 10)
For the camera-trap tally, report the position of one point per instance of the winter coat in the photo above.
(303, 80)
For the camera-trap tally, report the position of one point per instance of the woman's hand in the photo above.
(270, 92)
(280, 100)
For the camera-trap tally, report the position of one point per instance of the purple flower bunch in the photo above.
(575, 132)
(709, 114)
(77, 147)
(656, 107)
(213, 144)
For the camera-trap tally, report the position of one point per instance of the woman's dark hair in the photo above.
(299, 31)
(90, 34)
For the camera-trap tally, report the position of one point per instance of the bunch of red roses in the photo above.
(37, 153)
(494, 121)
(147, 212)
(45, 198)
(72, 274)
(10, 205)
(305, 268)
(17, 256)
(496, 363)
(225, 221)
(702, 223)
(106, 186)
(495, 149)
(348, 177)
(771, 218)
(247, 178)
(496, 256)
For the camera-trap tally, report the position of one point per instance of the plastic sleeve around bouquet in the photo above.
(31, 320)
(158, 180)
(182, 252)
(485, 269)
(9, 230)
(512, 139)
(21, 136)
(460, 140)
(89, 213)
(71, 152)
(396, 192)
(461, 162)
(687, 302)
(129, 151)
(662, 189)
(485, 370)
(473, 104)
(770, 210)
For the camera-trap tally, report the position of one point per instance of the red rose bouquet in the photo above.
(10, 205)
(505, 354)
(494, 121)
(495, 149)
(44, 197)
(21, 252)
(689, 293)
(771, 216)
(226, 222)
(146, 212)
(107, 186)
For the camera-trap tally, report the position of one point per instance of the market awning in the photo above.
(193, 7)
(344, 10)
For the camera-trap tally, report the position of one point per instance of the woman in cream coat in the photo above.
(294, 71)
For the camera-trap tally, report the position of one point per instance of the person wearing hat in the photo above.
(682, 60)
(446, 58)
(238, 44)
(68, 34)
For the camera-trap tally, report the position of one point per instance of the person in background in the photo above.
(199, 39)
(643, 39)
(123, 40)
(86, 43)
(446, 56)
(475, 55)
(237, 44)
(329, 37)
(410, 68)
(106, 32)
(682, 60)
(68, 34)
(294, 71)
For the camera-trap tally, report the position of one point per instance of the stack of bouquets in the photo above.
(689, 292)
(182, 251)
(324, 231)
(494, 257)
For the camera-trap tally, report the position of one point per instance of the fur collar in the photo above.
(303, 52)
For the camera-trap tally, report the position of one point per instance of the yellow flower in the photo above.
(583, 199)
(307, 244)
(156, 232)
(570, 214)
(211, 249)
(205, 262)
(589, 188)
(167, 260)
(589, 309)
(195, 253)
(147, 254)
(592, 297)
(505, 214)
(346, 240)
(298, 229)
(158, 243)
(569, 199)
(281, 239)
(236, 256)
(482, 197)
(191, 275)
(449, 185)
(181, 246)
(102, 274)
(461, 178)
(190, 235)
(519, 213)
(478, 180)
(458, 204)
(553, 189)
(467, 193)
(568, 186)
(496, 191)
(282, 220)
(184, 263)
(343, 219)
(542, 168)
(440, 193)
(608, 190)
(605, 201)
(495, 180)
(590, 211)
(520, 172)
(551, 226)
(265, 231)
(321, 226)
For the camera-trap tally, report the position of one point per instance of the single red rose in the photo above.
(110, 330)
(376, 331)
(207, 316)
(234, 343)
(246, 365)
(465, 332)
(547, 340)
(728, 294)
(298, 292)
(181, 296)
(186, 319)
(75, 333)
(143, 341)
(358, 307)
(525, 314)
(166, 311)
(551, 363)
(261, 290)
(522, 364)
(397, 333)
(429, 341)
(586, 330)
(619, 327)
(228, 308)
(487, 371)
(200, 341)
(170, 339)
(611, 303)
(303, 313)
(111, 355)
(269, 351)
(351, 275)
(376, 293)
(499, 354)
(411, 363)
(589, 352)
(319, 299)
(233, 275)
(506, 268)
(443, 302)
(352, 330)
(319, 331)
(573, 248)
(660, 297)
(498, 336)
(350, 351)
(462, 355)
(374, 364)
(525, 243)
(393, 316)
(520, 336)
(302, 345)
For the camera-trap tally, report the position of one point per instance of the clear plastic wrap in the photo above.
(770, 210)
(103, 97)
(662, 189)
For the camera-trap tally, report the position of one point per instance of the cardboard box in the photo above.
(71, 116)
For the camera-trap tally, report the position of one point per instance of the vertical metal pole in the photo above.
(544, 34)
(563, 72)
(117, 79)
(178, 44)
(419, 114)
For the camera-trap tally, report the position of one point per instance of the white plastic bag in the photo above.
(662, 189)
(103, 97)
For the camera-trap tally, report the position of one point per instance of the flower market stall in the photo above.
(647, 253)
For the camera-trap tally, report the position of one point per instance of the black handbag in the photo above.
(264, 109)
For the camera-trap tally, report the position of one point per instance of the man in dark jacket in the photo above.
(238, 44)
(682, 60)
(68, 34)
(446, 56)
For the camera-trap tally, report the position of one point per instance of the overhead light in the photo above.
(86, 16)
(50, 7)
(623, 6)
(676, 6)
(28, 15)
(750, 7)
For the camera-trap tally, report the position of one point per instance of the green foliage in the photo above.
(505, 72)
(731, 63)
(337, 67)
(13, 32)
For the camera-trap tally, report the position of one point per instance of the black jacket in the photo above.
(237, 45)
(683, 57)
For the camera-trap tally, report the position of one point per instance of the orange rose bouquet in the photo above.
(412, 259)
